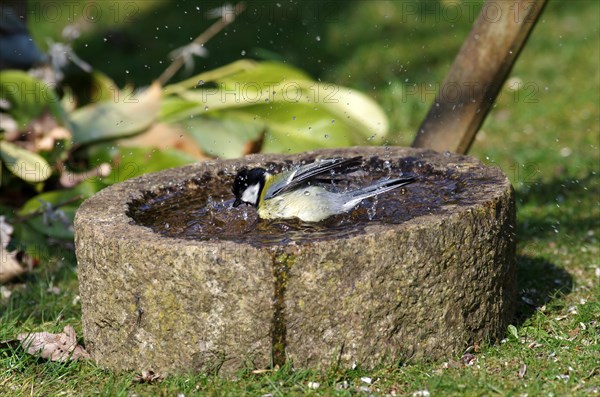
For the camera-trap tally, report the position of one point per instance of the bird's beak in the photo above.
(237, 202)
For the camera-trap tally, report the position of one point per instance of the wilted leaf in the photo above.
(6, 231)
(147, 376)
(128, 115)
(41, 135)
(55, 347)
(9, 266)
(468, 359)
(69, 179)
(26, 165)
(164, 136)
(522, 371)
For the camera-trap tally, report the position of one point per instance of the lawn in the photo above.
(545, 136)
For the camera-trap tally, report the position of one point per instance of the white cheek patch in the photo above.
(250, 195)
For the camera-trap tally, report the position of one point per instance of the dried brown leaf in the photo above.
(468, 359)
(164, 136)
(55, 347)
(9, 265)
(148, 376)
(522, 371)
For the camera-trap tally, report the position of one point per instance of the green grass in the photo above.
(546, 140)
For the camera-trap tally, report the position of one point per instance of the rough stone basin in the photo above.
(172, 279)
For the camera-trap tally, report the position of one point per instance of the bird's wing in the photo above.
(304, 173)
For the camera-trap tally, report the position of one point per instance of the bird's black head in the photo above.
(248, 185)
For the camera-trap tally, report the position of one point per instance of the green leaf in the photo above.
(28, 97)
(129, 115)
(211, 75)
(59, 227)
(356, 109)
(297, 113)
(129, 162)
(512, 331)
(294, 128)
(266, 73)
(103, 88)
(224, 137)
(175, 108)
(27, 165)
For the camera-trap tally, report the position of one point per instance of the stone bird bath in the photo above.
(173, 280)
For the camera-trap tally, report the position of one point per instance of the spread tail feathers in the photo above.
(359, 195)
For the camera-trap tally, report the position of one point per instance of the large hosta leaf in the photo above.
(127, 115)
(225, 137)
(294, 112)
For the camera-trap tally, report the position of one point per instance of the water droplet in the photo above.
(326, 136)
(318, 38)
(293, 117)
(372, 210)
(205, 107)
(200, 83)
(243, 52)
(332, 121)
(306, 193)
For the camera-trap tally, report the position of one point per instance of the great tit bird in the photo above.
(290, 194)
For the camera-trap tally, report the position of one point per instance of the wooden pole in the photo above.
(477, 74)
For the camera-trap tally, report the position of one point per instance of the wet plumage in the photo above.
(290, 194)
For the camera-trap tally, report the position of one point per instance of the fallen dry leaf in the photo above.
(522, 371)
(147, 376)
(164, 136)
(9, 266)
(55, 347)
(40, 135)
(468, 359)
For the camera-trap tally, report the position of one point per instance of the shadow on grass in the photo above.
(558, 212)
(539, 282)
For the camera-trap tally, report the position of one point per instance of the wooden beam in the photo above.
(477, 74)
